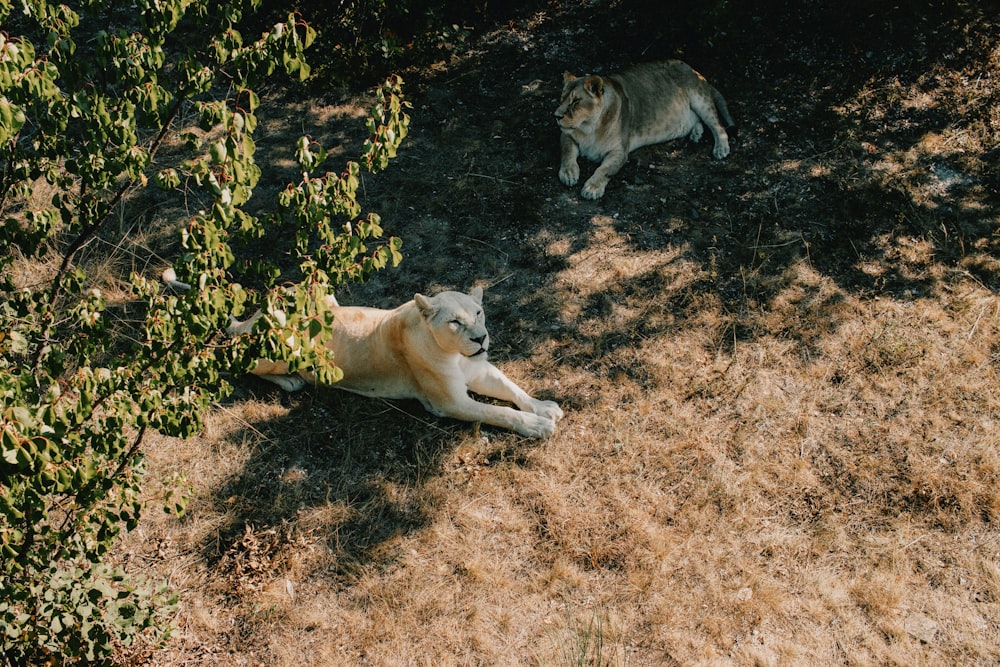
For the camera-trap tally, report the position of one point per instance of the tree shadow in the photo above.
(339, 471)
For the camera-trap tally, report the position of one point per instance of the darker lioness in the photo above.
(604, 118)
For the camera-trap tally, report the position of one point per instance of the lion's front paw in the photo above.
(548, 409)
(536, 426)
(569, 173)
(594, 188)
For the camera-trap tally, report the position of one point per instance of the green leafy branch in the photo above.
(84, 109)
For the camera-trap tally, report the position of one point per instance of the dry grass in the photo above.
(779, 372)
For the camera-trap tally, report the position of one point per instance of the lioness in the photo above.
(607, 117)
(432, 349)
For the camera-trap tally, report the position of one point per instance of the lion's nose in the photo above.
(478, 341)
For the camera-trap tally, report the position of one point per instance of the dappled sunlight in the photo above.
(819, 170)
(601, 266)
(323, 115)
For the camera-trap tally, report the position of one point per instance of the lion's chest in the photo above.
(594, 145)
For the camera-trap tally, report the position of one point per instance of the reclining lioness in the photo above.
(432, 349)
(604, 118)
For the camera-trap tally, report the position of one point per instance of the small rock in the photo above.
(921, 627)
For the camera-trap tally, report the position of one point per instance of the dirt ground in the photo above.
(779, 372)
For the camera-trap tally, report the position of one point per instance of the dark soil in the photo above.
(834, 106)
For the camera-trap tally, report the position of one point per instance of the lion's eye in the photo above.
(456, 323)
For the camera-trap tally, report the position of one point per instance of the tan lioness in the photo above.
(433, 349)
(604, 118)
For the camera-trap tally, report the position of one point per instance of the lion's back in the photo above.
(660, 96)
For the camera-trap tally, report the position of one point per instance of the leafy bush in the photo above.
(88, 93)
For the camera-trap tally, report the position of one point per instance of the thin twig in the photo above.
(415, 418)
(991, 540)
(497, 282)
(242, 421)
(975, 326)
(491, 178)
(778, 245)
(475, 240)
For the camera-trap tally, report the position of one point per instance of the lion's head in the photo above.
(581, 100)
(456, 321)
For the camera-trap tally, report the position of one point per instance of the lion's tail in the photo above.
(720, 104)
(170, 279)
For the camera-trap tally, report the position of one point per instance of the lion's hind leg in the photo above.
(705, 109)
(277, 372)
(289, 383)
(696, 132)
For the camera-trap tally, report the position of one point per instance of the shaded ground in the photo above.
(762, 360)
(847, 142)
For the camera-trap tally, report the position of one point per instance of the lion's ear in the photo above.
(594, 85)
(567, 78)
(477, 294)
(426, 306)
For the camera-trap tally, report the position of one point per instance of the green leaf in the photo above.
(315, 328)
(218, 152)
(12, 119)
(168, 179)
